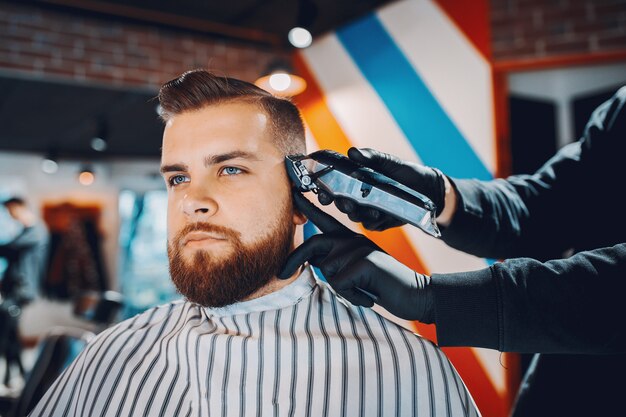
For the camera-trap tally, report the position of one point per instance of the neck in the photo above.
(273, 285)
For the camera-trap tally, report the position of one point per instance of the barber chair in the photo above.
(101, 308)
(57, 350)
(60, 346)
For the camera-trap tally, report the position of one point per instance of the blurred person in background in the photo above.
(24, 247)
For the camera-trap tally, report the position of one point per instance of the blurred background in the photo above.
(478, 89)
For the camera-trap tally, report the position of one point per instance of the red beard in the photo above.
(218, 282)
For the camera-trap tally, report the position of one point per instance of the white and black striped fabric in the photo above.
(300, 351)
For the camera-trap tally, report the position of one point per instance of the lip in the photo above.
(201, 237)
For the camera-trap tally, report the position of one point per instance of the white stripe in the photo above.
(454, 70)
(367, 123)
(363, 117)
(439, 257)
(214, 334)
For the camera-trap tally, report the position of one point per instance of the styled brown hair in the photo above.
(199, 88)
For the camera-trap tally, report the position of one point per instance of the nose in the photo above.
(198, 203)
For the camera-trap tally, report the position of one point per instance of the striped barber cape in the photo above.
(299, 351)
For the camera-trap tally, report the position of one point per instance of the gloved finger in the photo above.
(355, 212)
(315, 248)
(357, 297)
(355, 275)
(324, 198)
(354, 283)
(344, 253)
(384, 223)
(323, 221)
(344, 205)
(378, 161)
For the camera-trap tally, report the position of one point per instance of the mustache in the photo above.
(209, 228)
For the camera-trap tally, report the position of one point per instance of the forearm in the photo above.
(564, 306)
(450, 204)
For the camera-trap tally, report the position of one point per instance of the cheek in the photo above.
(174, 218)
(258, 217)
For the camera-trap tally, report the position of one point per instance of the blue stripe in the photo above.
(435, 138)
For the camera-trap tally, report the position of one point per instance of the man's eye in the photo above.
(231, 171)
(177, 179)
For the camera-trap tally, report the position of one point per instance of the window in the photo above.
(143, 264)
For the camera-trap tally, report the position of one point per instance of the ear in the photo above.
(298, 218)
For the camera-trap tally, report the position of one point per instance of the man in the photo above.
(26, 253)
(536, 302)
(243, 342)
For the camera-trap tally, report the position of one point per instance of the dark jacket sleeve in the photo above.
(572, 305)
(537, 302)
(569, 203)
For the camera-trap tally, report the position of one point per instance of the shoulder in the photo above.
(131, 330)
(610, 116)
(375, 322)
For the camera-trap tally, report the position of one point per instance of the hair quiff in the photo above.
(199, 88)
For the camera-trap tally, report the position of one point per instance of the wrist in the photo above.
(449, 207)
(425, 310)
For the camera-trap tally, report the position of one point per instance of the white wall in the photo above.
(561, 85)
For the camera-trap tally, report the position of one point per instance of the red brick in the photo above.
(588, 27)
(612, 42)
(576, 46)
(603, 8)
(110, 52)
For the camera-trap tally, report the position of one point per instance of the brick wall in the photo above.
(44, 43)
(40, 42)
(526, 29)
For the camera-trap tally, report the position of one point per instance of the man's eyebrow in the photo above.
(173, 168)
(222, 157)
(212, 160)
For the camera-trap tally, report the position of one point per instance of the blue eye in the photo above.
(231, 171)
(176, 180)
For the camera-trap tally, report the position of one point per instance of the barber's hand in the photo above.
(425, 180)
(350, 262)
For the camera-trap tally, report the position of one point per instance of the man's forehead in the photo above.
(220, 115)
(219, 133)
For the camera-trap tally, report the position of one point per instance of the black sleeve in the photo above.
(558, 208)
(572, 305)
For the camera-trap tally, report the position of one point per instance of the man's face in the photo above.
(230, 218)
(21, 213)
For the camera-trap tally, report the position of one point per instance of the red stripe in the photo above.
(472, 18)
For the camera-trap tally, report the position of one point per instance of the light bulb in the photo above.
(86, 178)
(98, 144)
(280, 81)
(300, 37)
(49, 166)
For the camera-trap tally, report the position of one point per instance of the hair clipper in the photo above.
(339, 176)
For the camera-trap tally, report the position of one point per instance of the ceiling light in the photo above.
(86, 175)
(49, 166)
(280, 80)
(49, 163)
(99, 141)
(300, 37)
(98, 144)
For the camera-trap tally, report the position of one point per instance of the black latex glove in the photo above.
(350, 262)
(425, 180)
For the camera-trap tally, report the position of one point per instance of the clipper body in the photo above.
(339, 176)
